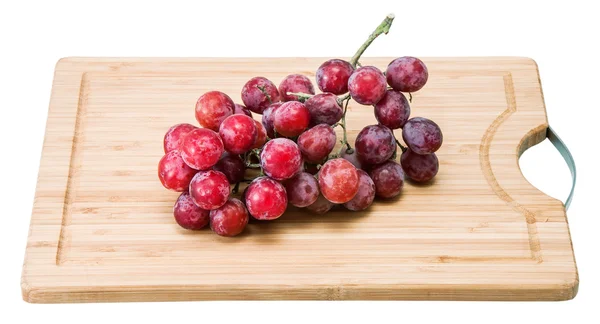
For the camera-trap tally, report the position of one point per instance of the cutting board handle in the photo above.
(564, 151)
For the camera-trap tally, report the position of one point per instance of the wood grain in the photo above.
(102, 228)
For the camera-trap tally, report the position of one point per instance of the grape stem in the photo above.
(344, 141)
(402, 147)
(383, 28)
(236, 188)
(410, 97)
(302, 97)
(264, 91)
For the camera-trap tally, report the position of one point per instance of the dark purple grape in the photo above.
(302, 190)
(254, 98)
(268, 120)
(316, 143)
(353, 158)
(367, 85)
(232, 167)
(295, 83)
(333, 75)
(320, 206)
(422, 135)
(365, 195)
(392, 110)
(388, 178)
(324, 109)
(407, 74)
(375, 144)
(419, 167)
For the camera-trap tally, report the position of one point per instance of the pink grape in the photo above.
(232, 167)
(407, 74)
(242, 110)
(333, 75)
(422, 135)
(338, 180)
(324, 108)
(291, 119)
(316, 143)
(255, 99)
(201, 148)
(266, 199)
(367, 85)
(188, 215)
(375, 144)
(320, 206)
(229, 219)
(281, 159)
(173, 173)
(261, 137)
(302, 190)
(212, 108)
(174, 135)
(209, 189)
(238, 133)
(365, 195)
(295, 83)
(419, 167)
(392, 110)
(388, 178)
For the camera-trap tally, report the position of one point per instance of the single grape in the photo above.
(295, 83)
(174, 135)
(291, 119)
(316, 143)
(352, 157)
(333, 75)
(388, 178)
(365, 195)
(367, 85)
(281, 159)
(173, 173)
(212, 108)
(407, 74)
(261, 136)
(238, 133)
(254, 98)
(392, 110)
(302, 190)
(242, 110)
(338, 180)
(267, 119)
(324, 109)
(320, 206)
(209, 189)
(188, 215)
(229, 219)
(266, 199)
(419, 167)
(201, 148)
(422, 135)
(232, 167)
(375, 144)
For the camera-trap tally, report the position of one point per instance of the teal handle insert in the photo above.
(564, 151)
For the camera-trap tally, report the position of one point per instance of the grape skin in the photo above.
(261, 136)
(316, 143)
(209, 189)
(324, 108)
(201, 148)
(172, 139)
(302, 190)
(365, 195)
(338, 180)
(281, 159)
(393, 110)
(296, 83)
(422, 135)
(174, 173)
(320, 206)
(367, 85)
(266, 199)
(375, 144)
(388, 178)
(232, 167)
(229, 219)
(419, 167)
(407, 74)
(242, 110)
(212, 108)
(332, 76)
(188, 215)
(255, 99)
(238, 133)
(267, 119)
(291, 119)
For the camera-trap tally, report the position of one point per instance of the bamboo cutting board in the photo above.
(102, 228)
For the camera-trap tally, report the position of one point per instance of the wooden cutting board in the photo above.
(102, 228)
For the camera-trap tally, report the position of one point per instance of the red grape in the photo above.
(261, 136)
(338, 180)
(367, 85)
(174, 135)
(242, 110)
(316, 143)
(201, 148)
(352, 157)
(365, 195)
(255, 99)
(333, 75)
(419, 167)
(212, 108)
(392, 110)
(173, 173)
(266, 199)
(422, 135)
(324, 108)
(229, 219)
(291, 119)
(295, 83)
(407, 74)
(209, 189)
(238, 133)
(320, 206)
(232, 167)
(375, 144)
(388, 178)
(188, 215)
(302, 190)
(267, 119)
(281, 159)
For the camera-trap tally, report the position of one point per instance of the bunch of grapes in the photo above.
(291, 150)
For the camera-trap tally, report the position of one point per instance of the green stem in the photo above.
(383, 28)
(402, 147)
(340, 100)
(302, 97)
(264, 91)
(345, 144)
(236, 188)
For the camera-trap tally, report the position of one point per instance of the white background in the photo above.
(561, 37)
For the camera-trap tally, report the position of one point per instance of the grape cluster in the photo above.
(292, 148)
